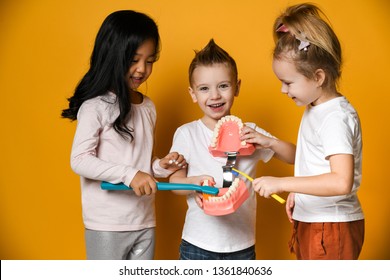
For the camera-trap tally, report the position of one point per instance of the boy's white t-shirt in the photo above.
(229, 233)
(327, 129)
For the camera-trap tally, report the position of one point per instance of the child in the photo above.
(214, 84)
(323, 203)
(114, 139)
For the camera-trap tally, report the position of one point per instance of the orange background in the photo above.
(45, 47)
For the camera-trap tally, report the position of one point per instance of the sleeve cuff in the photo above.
(158, 171)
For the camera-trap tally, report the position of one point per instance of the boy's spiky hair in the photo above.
(212, 54)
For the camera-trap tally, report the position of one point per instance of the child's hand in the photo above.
(290, 203)
(143, 183)
(173, 162)
(203, 180)
(266, 186)
(199, 199)
(252, 136)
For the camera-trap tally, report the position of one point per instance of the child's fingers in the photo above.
(138, 190)
(180, 161)
(143, 184)
(176, 159)
(256, 185)
(290, 207)
(246, 129)
(289, 212)
(207, 181)
(199, 200)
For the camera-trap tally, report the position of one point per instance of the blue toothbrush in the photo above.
(161, 186)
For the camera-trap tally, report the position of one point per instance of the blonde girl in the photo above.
(323, 203)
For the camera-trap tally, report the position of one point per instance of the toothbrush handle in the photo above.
(114, 187)
(278, 198)
(162, 186)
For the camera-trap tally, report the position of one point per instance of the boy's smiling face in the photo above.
(214, 88)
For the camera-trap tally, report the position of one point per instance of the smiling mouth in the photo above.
(137, 79)
(216, 105)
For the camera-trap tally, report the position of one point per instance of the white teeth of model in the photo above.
(216, 132)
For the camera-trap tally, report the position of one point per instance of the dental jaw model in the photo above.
(227, 201)
(226, 138)
(226, 143)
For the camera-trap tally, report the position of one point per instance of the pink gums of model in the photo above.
(228, 199)
(226, 138)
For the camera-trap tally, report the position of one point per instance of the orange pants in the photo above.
(327, 241)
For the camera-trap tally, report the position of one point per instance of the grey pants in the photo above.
(120, 245)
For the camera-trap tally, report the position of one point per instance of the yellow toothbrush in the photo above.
(274, 196)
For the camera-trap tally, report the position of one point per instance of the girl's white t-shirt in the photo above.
(327, 129)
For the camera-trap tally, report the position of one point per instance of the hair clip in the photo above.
(303, 44)
(282, 28)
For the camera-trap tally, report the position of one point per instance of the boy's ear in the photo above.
(238, 86)
(319, 76)
(193, 96)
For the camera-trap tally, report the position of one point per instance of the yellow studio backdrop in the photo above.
(45, 48)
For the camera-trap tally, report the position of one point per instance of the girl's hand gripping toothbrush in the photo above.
(274, 196)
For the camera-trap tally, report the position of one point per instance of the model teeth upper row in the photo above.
(218, 126)
(228, 194)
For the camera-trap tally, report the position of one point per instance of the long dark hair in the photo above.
(120, 35)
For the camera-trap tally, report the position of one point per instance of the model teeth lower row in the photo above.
(233, 188)
(217, 128)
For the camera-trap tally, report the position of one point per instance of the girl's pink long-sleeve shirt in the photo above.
(99, 153)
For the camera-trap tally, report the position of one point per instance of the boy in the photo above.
(214, 84)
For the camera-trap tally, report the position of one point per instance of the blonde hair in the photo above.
(307, 23)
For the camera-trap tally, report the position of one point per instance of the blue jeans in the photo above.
(189, 251)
